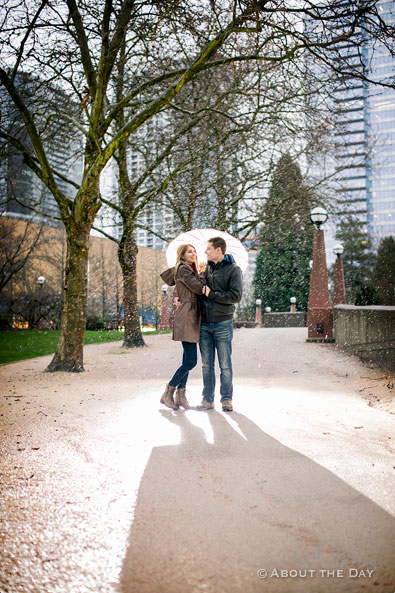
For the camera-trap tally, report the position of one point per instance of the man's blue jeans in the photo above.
(217, 337)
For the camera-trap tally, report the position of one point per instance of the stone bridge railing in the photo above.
(368, 332)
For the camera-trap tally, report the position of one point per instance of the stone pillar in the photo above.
(339, 290)
(164, 321)
(320, 312)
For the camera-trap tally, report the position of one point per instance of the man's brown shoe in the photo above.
(205, 405)
(227, 405)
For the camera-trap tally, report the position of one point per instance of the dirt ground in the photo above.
(103, 490)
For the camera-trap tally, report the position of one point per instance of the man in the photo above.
(224, 287)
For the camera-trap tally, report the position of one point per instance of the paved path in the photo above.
(103, 491)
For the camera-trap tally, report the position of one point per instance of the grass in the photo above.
(22, 344)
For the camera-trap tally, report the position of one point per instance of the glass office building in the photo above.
(366, 157)
(380, 129)
(22, 194)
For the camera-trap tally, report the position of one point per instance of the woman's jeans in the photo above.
(189, 360)
(217, 336)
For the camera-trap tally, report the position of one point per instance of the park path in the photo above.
(104, 491)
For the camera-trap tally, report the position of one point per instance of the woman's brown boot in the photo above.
(181, 399)
(167, 397)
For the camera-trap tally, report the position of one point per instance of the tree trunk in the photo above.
(127, 251)
(128, 259)
(69, 352)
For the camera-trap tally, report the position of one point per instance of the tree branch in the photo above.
(33, 164)
(45, 170)
(82, 41)
(25, 38)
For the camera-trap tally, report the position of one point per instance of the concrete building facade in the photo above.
(366, 130)
(104, 273)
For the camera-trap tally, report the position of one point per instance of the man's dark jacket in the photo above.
(226, 288)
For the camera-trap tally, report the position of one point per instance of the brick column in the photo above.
(164, 321)
(320, 312)
(339, 290)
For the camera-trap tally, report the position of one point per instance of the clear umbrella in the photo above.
(199, 237)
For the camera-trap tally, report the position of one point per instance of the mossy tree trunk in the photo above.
(127, 249)
(69, 352)
(78, 222)
(128, 260)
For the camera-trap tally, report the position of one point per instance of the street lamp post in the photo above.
(293, 304)
(164, 321)
(41, 323)
(258, 312)
(320, 312)
(339, 290)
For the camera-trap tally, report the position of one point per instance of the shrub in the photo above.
(37, 307)
(5, 313)
(95, 323)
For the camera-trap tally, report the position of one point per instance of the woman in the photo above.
(186, 324)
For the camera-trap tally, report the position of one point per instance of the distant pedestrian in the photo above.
(186, 326)
(223, 289)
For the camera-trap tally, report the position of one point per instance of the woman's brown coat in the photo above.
(186, 325)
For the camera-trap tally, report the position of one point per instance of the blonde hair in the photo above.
(180, 258)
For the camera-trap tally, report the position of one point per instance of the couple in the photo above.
(205, 314)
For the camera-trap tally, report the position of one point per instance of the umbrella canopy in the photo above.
(199, 237)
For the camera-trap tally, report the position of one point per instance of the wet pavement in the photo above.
(105, 491)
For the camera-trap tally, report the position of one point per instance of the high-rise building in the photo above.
(365, 161)
(23, 194)
(380, 126)
(362, 165)
(194, 197)
(156, 220)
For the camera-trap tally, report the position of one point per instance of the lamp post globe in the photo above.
(165, 288)
(293, 300)
(338, 250)
(258, 302)
(41, 280)
(268, 309)
(318, 216)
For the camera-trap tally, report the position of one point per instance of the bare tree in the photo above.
(19, 242)
(206, 140)
(39, 306)
(87, 40)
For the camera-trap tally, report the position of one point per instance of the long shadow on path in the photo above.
(209, 516)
